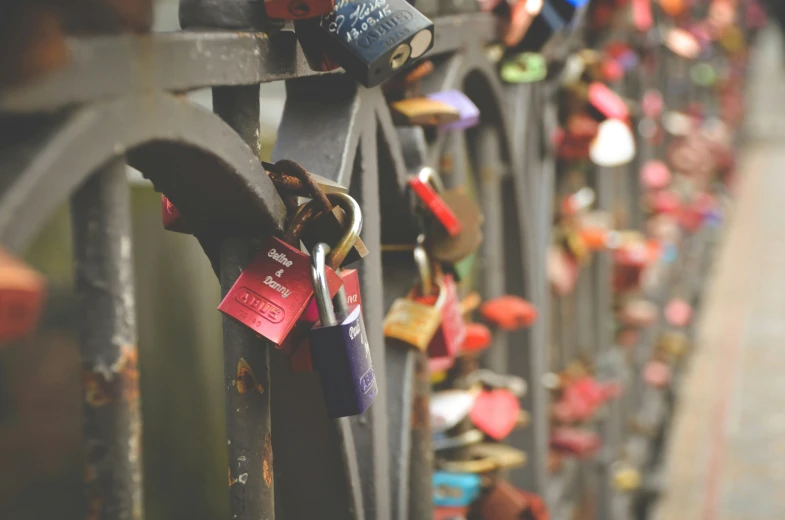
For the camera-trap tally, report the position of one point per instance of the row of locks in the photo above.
(647, 117)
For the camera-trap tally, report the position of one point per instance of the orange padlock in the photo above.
(21, 298)
(509, 312)
(673, 7)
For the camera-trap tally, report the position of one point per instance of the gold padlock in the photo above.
(674, 343)
(411, 321)
(424, 111)
(624, 477)
(486, 457)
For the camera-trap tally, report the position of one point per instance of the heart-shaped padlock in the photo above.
(496, 412)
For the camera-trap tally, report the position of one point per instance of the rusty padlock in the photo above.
(22, 292)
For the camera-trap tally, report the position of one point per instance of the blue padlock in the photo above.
(339, 346)
(455, 489)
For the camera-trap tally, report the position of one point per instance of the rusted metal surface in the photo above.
(104, 280)
(246, 356)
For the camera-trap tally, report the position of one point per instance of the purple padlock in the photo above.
(339, 347)
(469, 113)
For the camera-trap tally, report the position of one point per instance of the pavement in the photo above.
(726, 456)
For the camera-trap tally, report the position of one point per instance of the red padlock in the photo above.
(452, 331)
(664, 201)
(505, 502)
(172, 219)
(450, 513)
(652, 104)
(21, 298)
(496, 412)
(612, 71)
(575, 442)
(427, 185)
(606, 104)
(509, 312)
(478, 338)
(273, 291)
(642, 17)
(581, 399)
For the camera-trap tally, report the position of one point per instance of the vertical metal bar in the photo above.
(421, 456)
(246, 356)
(104, 279)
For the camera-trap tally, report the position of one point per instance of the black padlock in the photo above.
(370, 39)
(339, 347)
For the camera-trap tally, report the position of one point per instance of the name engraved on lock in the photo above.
(260, 305)
(273, 291)
(365, 22)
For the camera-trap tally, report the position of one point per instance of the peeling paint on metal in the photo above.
(245, 378)
(121, 381)
(267, 460)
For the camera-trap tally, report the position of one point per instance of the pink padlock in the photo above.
(655, 175)
(657, 374)
(678, 312)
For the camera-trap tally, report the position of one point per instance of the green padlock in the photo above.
(703, 75)
(526, 67)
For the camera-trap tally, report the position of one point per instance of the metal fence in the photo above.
(120, 101)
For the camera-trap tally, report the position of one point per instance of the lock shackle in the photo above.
(321, 290)
(430, 176)
(311, 210)
(423, 267)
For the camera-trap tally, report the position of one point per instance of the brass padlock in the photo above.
(424, 111)
(412, 321)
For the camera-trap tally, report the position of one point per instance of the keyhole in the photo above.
(399, 56)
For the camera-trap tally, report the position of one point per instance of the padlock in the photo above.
(683, 44)
(22, 292)
(505, 502)
(578, 201)
(469, 114)
(642, 17)
(485, 457)
(524, 67)
(515, 384)
(638, 313)
(673, 7)
(655, 175)
(298, 9)
(581, 127)
(652, 104)
(562, 270)
(673, 343)
(664, 202)
(412, 321)
(625, 477)
(330, 227)
(428, 187)
(455, 489)
(509, 312)
(678, 312)
(449, 407)
(273, 291)
(172, 219)
(614, 144)
(496, 413)
(370, 39)
(519, 19)
(605, 103)
(478, 338)
(442, 441)
(450, 335)
(582, 398)
(573, 244)
(575, 442)
(424, 111)
(657, 374)
(339, 347)
(451, 249)
(703, 75)
(300, 359)
(450, 513)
